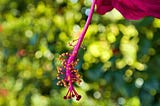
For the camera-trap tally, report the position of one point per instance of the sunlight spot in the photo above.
(84, 86)
(76, 28)
(48, 55)
(139, 82)
(97, 94)
(28, 33)
(121, 101)
(101, 28)
(87, 11)
(74, 1)
(38, 54)
(59, 1)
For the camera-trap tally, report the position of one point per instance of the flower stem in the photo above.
(81, 37)
(78, 44)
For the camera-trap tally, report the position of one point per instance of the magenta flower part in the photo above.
(68, 74)
(130, 9)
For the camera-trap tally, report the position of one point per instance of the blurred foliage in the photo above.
(120, 66)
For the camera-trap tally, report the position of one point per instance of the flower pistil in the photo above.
(67, 73)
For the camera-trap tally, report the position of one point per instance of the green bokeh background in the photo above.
(120, 65)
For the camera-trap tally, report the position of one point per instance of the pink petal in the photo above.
(131, 9)
(136, 9)
(103, 6)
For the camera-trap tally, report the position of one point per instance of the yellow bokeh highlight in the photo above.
(63, 36)
(128, 46)
(134, 101)
(89, 58)
(94, 50)
(106, 66)
(139, 66)
(114, 29)
(156, 23)
(105, 55)
(39, 73)
(58, 21)
(153, 92)
(120, 63)
(100, 49)
(47, 82)
(85, 66)
(41, 7)
(38, 54)
(111, 37)
(145, 58)
(149, 34)
(129, 73)
(128, 30)
(151, 51)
